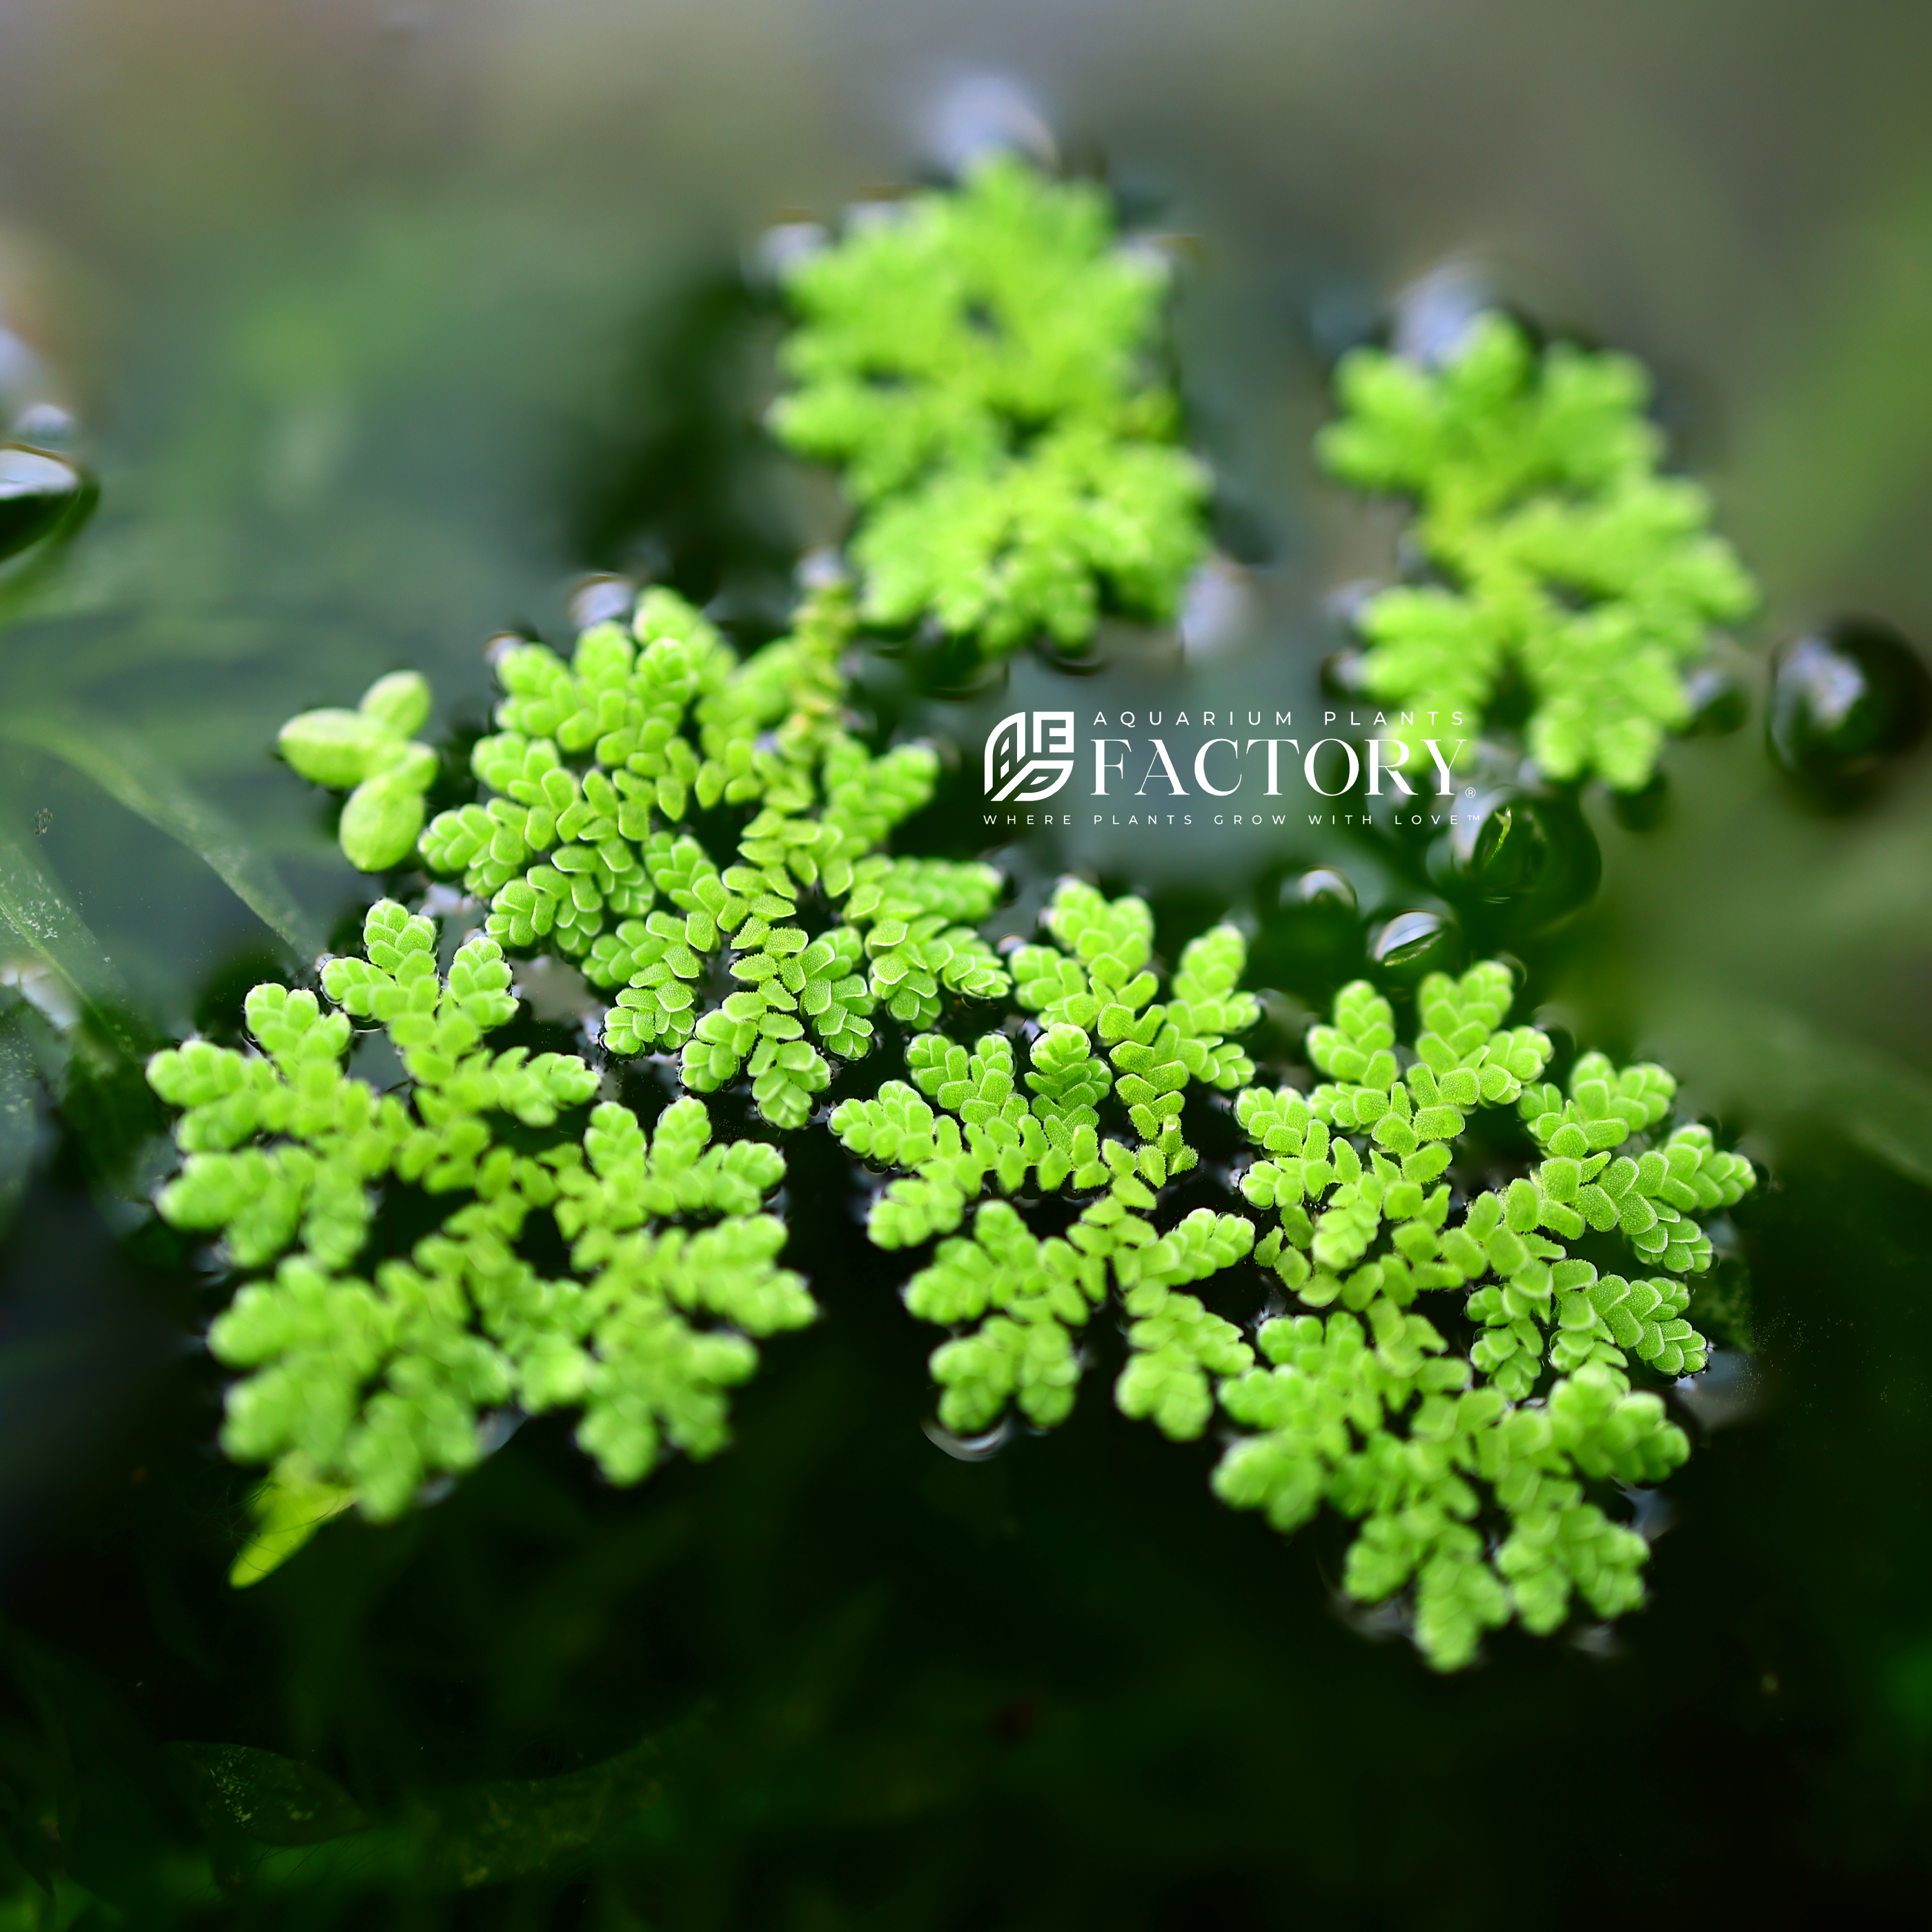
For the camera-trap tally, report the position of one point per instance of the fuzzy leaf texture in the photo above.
(980, 364)
(1471, 1473)
(1555, 549)
(584, 844)
(360, 1379)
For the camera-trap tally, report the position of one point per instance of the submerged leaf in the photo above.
(271, 1799)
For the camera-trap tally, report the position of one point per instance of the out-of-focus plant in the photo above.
(1554, 548)
(983, 365)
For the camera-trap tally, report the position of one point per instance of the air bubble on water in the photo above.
(1436, 311)
(36, 491)
(1414, 942)
(969, 1448)
(604, 598)
(45, 426)
(1322, 886)
(980, 114)
(1845, 700)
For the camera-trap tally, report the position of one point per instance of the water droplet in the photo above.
(1845, 699)
(1719, 701)
(1413, 943)
(1535, 856)
(45, 426)
(36, 491)
(1320, 887)
(601, 599)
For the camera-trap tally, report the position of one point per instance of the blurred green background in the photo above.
(382, 324)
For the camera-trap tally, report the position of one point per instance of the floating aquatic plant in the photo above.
(1460, 1271)
(1469, 1470)
(981, 365)
(1102, 1033)
(1557, 550)
(588, 846)
(366, 1373)
(371, 753)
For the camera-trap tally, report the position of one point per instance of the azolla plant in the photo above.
(1440, 1293)
(368, 1373)
(1470, 1468)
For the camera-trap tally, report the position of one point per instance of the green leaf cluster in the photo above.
(372, 753)
(706, 838)
(588, 843)
(1468, 1472)
(980, 364)
(365, 1374)
(1553, 547)
(1474, 1445)
(970, 1120)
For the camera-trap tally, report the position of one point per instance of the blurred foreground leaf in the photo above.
(35, 907)
(18, 1122)
(275, 1800)
(1772, 1061)
(129, 773)
(288, 1511)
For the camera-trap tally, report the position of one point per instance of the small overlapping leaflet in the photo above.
(1369, 1410)
(1553, 547)
(1108, 1062)
(363, 1376)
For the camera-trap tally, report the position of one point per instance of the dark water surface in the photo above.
(378, 326)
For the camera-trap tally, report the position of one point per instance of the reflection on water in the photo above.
(1844, 702)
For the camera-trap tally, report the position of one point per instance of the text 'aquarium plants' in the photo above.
(963, 957)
